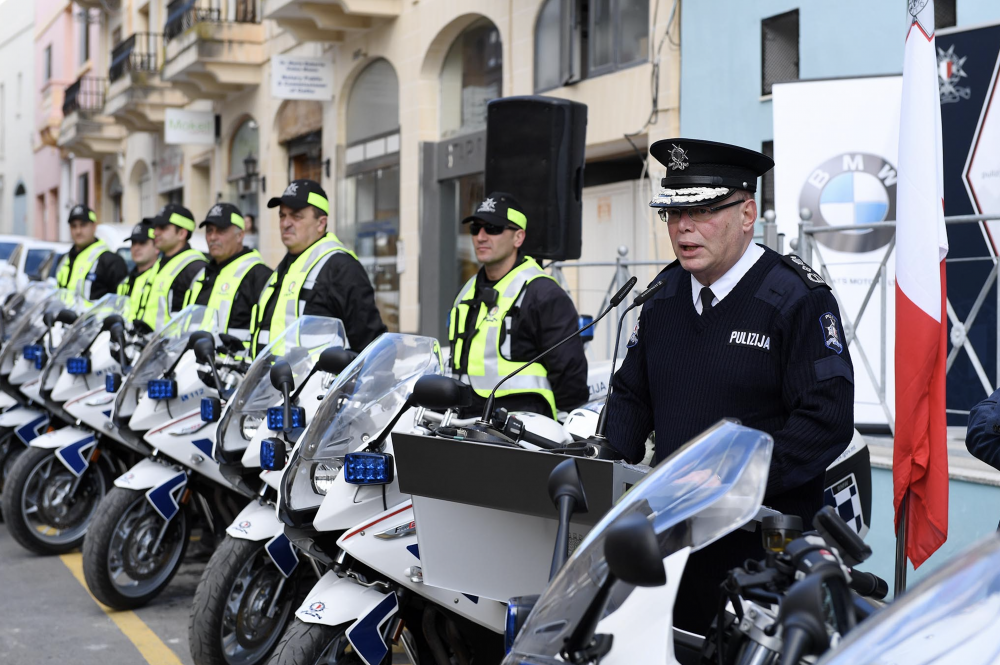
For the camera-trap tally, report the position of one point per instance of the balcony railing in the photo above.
(182, 14)
(85, 95)
(139, 53)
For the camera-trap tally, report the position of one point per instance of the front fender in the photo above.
(256, 522)
(72, 445)
(165, 485)
(336, 600)
(6, 401)
(26, 423)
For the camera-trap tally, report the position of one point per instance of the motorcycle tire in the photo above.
(118, 570)
(314, 644)
(53, 524)
(228, 623)
(10, 449)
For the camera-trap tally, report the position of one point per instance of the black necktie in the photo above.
(706, 299)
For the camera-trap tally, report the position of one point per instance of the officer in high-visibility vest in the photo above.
(90, 268)
(175, 269)
(507, 314)
(231, 283)
(318, 276)
(144, 256)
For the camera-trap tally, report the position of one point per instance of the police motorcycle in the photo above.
(138, 539)
(255, 579)
(54, 492)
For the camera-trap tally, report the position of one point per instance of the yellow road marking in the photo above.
(152, 648)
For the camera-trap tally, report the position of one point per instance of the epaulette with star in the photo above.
(812, 278)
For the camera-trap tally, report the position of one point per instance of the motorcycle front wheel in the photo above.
(314, 644)
(48, 509)
(232, 619)
(10, 448)
(130, 554)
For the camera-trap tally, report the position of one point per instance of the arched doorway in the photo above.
(368, 211)
(244, 153)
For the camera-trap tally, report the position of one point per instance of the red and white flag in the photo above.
(920, 454)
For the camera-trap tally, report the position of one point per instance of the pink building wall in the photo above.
(60, 30)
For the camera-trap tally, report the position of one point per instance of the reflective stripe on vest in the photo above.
(136, 292)
(487, 361)
(288, 304)
(156, 301)
(227, 284)
(84, 266)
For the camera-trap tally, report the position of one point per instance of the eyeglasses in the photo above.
(491, 229)
(696, 214)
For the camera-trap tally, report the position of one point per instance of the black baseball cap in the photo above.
(302, 193)
(83, 213)
(175, 214)
(501, 209)
(224, 215)
(142, 232)
(705, 172)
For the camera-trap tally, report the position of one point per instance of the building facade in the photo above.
(17, 122)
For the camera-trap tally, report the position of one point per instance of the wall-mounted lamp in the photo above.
(326, 166)
(250, 174)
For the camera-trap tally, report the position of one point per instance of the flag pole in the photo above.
(900, 582)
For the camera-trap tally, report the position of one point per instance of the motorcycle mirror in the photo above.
(564, 481)
(633, 553)
(141, 327)
(281, 376)
(49, 318)
(198, 336)
(232, 343)
(111, 321)
(67, 316)
(441, 392)
(335, 359)
(204, 350)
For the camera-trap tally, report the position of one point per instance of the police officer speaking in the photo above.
(175, 269)
(232, 281)
(736, 331)
(90, 267)
(144, 256)
(318, 275)
(507, 314)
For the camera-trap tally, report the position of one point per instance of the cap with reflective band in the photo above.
(142, 232)
(175, 214)
(302, 193)
(705, 172)
(224, 215)
(500, 209)
(82, 213)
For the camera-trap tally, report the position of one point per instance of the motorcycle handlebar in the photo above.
(868, 584)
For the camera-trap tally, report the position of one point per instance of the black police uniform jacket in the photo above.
(983, 435)
(247, 294)
(771, 354)
(109, 272)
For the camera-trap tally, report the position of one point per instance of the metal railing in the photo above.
(139, 53)
(86, 95)
(809, 249)
(183, 14)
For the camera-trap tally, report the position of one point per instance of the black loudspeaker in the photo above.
(534, 152)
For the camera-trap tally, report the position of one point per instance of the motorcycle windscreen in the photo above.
(17, 307)
(950, 617)
(362, 402)
(160, 354)
(31, 326)
(712, 485)
(300, 346)
(80, 336)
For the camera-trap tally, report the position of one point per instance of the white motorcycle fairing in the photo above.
(93, 409)
(69, 386)
(258, 521)
(72, 445)
(165, 484)
(6, 401)
(26, 422)
(188, 440)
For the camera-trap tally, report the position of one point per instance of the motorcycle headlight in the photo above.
(249, 425)
(323, 475)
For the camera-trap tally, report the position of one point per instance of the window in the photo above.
(616, 36)
(944, 14)
(83, 189)
(779, 50)
(767, 181)
(116, 36)
(471, 76)
(47, 63)
(84, 38)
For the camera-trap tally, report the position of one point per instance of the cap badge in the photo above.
(216, 211)
(78, 210)
(291, 190)
(488, 205)
(678, 157)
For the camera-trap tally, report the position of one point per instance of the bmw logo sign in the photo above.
(852, 189)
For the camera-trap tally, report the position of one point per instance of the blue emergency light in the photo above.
(367, 468)
(112, 382)
(35, 352)
(582, 322)
(78, 365)
(162, 389)
(272, 454)
(276, 418)
(211, 409)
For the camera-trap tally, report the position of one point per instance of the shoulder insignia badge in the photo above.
(812, 278)
(831, 334)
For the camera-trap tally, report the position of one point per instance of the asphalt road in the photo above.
(48, 616)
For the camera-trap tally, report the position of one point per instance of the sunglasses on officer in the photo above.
(491, 229)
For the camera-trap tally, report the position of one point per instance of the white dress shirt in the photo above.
(728, 281)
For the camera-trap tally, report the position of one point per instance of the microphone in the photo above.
(602, 421)
(615, 301)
